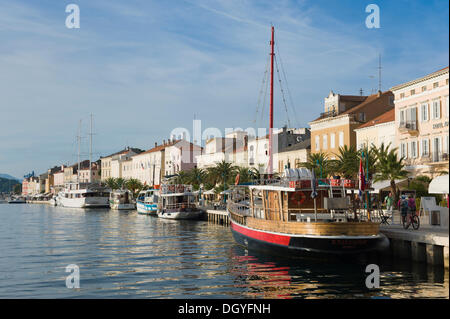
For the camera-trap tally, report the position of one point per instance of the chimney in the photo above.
(156, 144)
(379, 93)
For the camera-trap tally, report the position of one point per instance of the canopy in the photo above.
(210, 192)
(439, 185)
(385, 185)
(228, 191)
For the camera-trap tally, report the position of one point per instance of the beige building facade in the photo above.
(422, 123)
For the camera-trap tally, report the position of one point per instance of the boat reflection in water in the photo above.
(262, 276)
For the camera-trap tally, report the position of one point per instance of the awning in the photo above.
(228, 191)
(385, 185)
(439, 185)
(210, 192)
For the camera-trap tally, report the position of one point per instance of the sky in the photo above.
(143, 68)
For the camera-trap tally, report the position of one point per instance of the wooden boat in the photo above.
(282, 215)
(178, 202)
(121, 200)
(147, 202)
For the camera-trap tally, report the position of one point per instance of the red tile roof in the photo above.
(389, 116)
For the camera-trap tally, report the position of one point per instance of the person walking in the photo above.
(389, 202)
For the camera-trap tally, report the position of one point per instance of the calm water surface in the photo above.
(127, 255)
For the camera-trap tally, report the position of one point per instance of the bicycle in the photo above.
(411, 219)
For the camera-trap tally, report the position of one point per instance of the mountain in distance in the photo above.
(7, 176)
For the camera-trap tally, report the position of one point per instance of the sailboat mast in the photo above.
(79, 142)
(90, 153)
(270, 168)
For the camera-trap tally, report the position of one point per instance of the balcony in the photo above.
(328, 114)
(438, 157)
(409, 127)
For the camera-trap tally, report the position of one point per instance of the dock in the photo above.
(428, 244)
(217, 216)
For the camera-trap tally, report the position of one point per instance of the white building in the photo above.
(380, 130)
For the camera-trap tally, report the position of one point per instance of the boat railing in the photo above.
(179, 205)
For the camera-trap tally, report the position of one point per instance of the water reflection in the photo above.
(122, 254)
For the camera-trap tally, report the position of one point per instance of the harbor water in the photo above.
(121, 254)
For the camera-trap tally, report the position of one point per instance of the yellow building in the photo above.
(335, 127)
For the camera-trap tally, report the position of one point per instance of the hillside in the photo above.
(7, 185)
(7, 176)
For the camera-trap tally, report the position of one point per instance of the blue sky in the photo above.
(145, 67)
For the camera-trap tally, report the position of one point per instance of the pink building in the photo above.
(421, 119)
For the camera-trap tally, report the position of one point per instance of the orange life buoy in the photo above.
(298, 198)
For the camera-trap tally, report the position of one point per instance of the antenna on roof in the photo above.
(379, 73)
(361, 92)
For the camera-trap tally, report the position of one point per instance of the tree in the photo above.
(133, 185)
(196, 176)
(389, 167)
(17, 189)
(120, 182)
(320, 163)
(347, 162)
(111, 183)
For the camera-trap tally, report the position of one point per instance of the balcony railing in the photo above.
(328, 114)
(439, 157)
(408, 125)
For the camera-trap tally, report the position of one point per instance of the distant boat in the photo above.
(17, 200)
(121, 199)
(178, 202)
(147, 202)
(52, 201)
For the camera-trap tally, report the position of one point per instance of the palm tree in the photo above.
(389, 167)
(245, 175)
(120, 182)
(182, 178)
(111, 183)
(133, 185)
(347, 162)
(196, 176)
(319, 162)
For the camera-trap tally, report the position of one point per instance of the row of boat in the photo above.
(170, 201)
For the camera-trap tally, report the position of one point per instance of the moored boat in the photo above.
(83, 195)
(178, 202)
(282, 215)
(147, 202)
(17, 200)
(121, 199)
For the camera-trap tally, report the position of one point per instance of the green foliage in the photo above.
(320, 163)
(8, 185)
(347, 162)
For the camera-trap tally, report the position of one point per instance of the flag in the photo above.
(313, 185)
(142, 165)
(362, 180)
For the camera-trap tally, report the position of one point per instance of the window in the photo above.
(325, 142)
(446, 106)
(413, 149)
(341, 139)
(317, 142)
(424, 88)
(435, 85)
(403, 150)
(402, 116)
(362, 117)
(332, 140)
(402, 95)
(436, 110)
(425, 147)
(424, 112)
(412, 92)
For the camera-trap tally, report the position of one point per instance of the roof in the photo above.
(389, 116)
(305, 144)
(125, 151)
(160, 147)
(424, 78)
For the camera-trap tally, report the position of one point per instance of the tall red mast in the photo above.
(272, 54)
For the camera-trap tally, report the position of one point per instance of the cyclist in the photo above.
(403, 207)
(412, 205)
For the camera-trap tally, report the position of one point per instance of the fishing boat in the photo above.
(121, 199)
(147, 202)
(52, 201)
(178, 202)
(298, 214)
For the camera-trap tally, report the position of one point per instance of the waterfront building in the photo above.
(85, 177)
(380, 130)
(335, 127)
(258, 153)
(111, 165)
(292, 156)
(71, 172)
(30, 186)
(421, 120)
(218, 149)
(58, 180)
(180, 157)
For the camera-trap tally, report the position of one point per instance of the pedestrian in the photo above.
(412, 205)
(389, 202)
